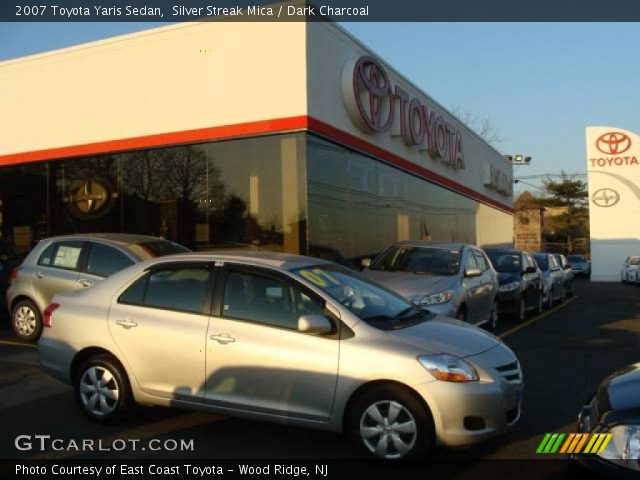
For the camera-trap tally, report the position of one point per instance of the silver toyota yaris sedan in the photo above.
(282, 338)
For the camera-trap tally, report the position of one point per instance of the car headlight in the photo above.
(624, 445)
(434, 299)
(449, 368)
(509, 287)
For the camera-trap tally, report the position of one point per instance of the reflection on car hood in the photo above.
(446, 335)
(504, 278)
(620, 390)
(410, 285)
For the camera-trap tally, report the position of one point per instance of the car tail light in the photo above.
(14, 274)
(48, 314)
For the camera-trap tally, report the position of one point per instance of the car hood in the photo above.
(504, 278)
(410, 285)
(620, 390)
(446, 335)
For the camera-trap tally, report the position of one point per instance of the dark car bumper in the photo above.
(509, 302)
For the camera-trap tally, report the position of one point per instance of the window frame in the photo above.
(147, 272)
(221, 284)
(90, 245)
(56, 245)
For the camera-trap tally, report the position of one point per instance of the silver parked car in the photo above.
(630, 269)
(452, 279)
(580, 265)
(282, 338)
(553, 279)
(71, 262)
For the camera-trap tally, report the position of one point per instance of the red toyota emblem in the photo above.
(373, 94)
(613, 143)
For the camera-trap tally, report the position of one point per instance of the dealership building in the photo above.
(288, 136)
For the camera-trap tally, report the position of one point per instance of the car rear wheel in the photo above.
(26, 320)
(389, 422)
(521, 313)
(492, 325)
(540, 307)
(102, 389)
(462, 313)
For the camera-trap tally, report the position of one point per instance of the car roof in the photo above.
(432, 243)
(502, 250)
(287, 261)
(119, 238)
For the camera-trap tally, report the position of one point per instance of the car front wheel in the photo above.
(26, 320)
(391, 423)
(102, 389)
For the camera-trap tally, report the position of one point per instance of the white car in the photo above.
(629, 271)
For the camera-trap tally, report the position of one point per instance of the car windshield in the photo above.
(634, 261)
(542, 261)
(505, 262)
(576, 258)
(373, 303)
(422, 260)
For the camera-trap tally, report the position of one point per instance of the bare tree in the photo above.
(481, 125)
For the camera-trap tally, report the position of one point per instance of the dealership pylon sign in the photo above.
(614, 199)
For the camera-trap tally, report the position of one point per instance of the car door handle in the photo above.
(222, 338)
(85, 283)
(39, 275)
(127, 323)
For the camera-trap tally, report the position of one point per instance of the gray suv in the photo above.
(451, 279)
(66, 263)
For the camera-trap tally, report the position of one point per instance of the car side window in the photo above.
(104, 261)
(554, 263)
(529, 261)
(470, 262)
(480, 260)
(180, 289)
(65, 255)
(266, 300)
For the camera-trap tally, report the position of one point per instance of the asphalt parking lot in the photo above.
(564, 353)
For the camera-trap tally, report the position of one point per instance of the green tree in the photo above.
(567, 215)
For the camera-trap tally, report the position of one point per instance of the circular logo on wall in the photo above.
(90, 198)
(613, 143)
(605, 197)
(370, 96)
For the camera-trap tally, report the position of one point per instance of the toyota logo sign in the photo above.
(375, 105)
(613, 143)
(605, 197)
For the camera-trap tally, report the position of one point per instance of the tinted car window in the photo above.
(134, 295)
(266, 300)
(104, 260)
(542, 261)
(62, 255)
(505, 262)
(181, 289)
(423, 260)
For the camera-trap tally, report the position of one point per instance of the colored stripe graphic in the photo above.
(573, 443)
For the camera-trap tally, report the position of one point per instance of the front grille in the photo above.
(510, 372)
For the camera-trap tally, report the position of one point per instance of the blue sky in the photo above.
(540, 84)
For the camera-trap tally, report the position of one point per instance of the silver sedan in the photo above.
(282, 338)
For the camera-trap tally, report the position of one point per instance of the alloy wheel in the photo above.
(388, 429)
(25, 320)
(99, 391)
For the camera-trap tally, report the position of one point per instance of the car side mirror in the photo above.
(365, 262)
(472, 272)
(317, 324)
(530, 270)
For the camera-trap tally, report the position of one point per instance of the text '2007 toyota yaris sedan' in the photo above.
(282, 338)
